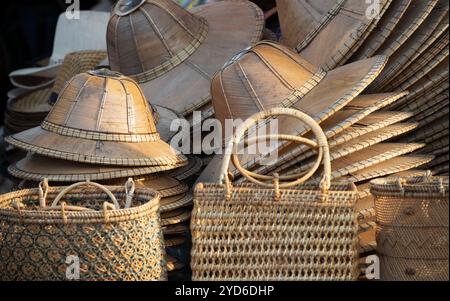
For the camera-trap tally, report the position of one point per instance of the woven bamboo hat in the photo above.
(190, 170)
(30, 102)
(37, 168)
(101, 117)
(160, 44)
(164, 118)
(384, 28)
(86, 33)
(357, 118)
(323, 31)
(388, 167)
(239, 90)
(366, 141)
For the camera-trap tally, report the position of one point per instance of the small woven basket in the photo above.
(109, 233)
(275, 231)
(412, 227)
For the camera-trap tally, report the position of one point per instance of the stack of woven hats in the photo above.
(101, 128)
(413, 34)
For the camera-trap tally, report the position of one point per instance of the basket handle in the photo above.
(130, 187)
(87, 183)
(43, 190)
(321, 144)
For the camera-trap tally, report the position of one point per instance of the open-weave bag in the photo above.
(412, 227)
(275, 231)
(109, 233)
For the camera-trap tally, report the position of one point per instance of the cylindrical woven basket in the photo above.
(89, 232)
(271, 229)
(412, 227)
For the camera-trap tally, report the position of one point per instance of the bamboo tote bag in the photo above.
(281, 231)
(89, 232)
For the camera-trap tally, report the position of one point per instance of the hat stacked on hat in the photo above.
(160, 44)
(356, 130)
(413, 34)
(102, 128)
(103, 125)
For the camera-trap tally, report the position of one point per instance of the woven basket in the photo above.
(111, 243)
(412, 222)
(278, 230)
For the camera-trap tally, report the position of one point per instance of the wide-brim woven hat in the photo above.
(37, 168)
(184, 173)
(324, 32)
(164, 118)
(101, 117)
(30, 102)
(384, 28)
(388, 167)
(88, 32)
(177, 49)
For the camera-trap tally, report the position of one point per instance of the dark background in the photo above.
(26, 34)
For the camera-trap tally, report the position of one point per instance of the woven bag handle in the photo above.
(321, 144)
(87, 183)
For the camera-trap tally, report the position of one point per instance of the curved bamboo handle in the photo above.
(87, 183)
(321, 144)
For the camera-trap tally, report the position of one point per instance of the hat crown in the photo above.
(239, 90)
(148, 38)
(102, 101)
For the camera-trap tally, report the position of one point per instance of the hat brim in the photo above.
(46, 143)
(34, 78)
(331, 94)
(176, 202)
(388, 167)
(233, 26)
(37, 168)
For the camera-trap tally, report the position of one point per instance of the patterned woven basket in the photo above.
(279, 230)
(412, 227)
(121, 240)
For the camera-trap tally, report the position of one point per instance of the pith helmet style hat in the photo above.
(86, 33)
(100, 117)
(324, 31)
(160, 44)
(289, 80)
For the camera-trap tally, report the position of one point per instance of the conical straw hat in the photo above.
(334, 27)
(419, 104)
(73, 64)
(101, 117)
(384, 28)
(388, 167)
(160, 44)
(72, 34)
(414, 16)
(37, 168)
(430, 132)
(429, 59)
